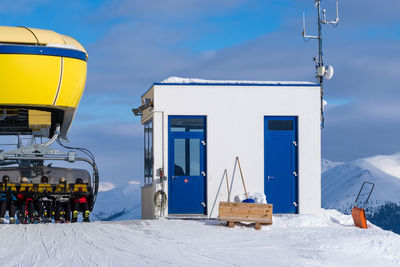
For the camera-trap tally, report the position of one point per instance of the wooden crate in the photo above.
(232, 212)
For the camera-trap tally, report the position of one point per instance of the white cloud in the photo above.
(106, 186)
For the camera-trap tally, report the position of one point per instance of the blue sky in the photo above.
(132, 44)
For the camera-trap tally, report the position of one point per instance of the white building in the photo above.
(194, 129)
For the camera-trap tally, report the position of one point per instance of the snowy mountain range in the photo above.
(341, 183)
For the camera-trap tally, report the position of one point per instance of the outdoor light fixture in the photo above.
(147, 102)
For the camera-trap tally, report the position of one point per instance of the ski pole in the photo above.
(241, 174)
(227, 185)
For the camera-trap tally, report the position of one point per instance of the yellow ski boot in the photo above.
(86, 216)
(75, 216)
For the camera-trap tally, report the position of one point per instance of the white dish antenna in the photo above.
(329, 71)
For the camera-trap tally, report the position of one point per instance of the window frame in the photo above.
(148, 152)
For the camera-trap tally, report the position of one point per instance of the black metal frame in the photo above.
(366, 201)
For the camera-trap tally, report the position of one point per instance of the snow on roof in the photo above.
(179, 80)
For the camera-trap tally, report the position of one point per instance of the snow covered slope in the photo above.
(301, 240)
(341, 184)
(118, 202)
(387, 163)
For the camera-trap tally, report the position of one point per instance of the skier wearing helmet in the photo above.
(25, 201)
(7, 199)
(62, 201)
(44, 203)
(80, 201)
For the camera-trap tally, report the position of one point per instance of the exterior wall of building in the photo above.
(147, 202)
(148, 190)
(235, 127)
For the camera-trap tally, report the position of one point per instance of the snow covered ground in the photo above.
(328, 239)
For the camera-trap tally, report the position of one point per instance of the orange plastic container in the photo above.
(359, 217)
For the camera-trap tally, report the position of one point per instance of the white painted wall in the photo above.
(235, 127)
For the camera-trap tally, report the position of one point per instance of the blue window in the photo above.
(187, 156)
(148, 153)
(182, 124)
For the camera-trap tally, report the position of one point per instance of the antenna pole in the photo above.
(319, 61)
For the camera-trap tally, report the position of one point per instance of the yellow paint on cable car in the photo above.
(26, 187)
(73, 70)
(42, 188)
(41, 69)
(81, 188)
(62, 188)
(11, 187)
(28, 79)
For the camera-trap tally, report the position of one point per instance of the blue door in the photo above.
(186, 165)
(280, 163)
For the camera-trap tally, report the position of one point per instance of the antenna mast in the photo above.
(321, 70)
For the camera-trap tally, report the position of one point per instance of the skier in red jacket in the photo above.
(25, 202)
(80, 201)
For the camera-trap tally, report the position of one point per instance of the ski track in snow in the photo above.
(328, 239)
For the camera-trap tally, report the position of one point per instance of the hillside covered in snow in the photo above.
(341, 183)
(328, 239)
(120, 202)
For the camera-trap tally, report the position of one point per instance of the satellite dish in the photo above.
(329, 72)
(324, 103)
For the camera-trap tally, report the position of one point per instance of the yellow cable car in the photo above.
(42, 78)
